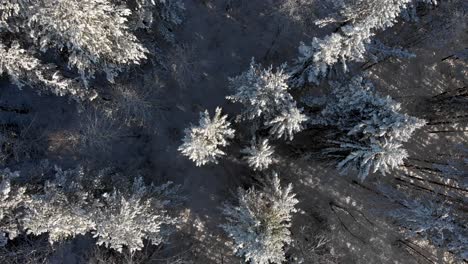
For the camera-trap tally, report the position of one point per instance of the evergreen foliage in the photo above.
(202, 143)
(360, 19)
(372, 128)
(264, 95)
(259, 156)
(260, 223)
(71, 205)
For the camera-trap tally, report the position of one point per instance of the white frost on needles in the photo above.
(362, 20)
(264, 95)
(202, 143)
(260, 223)
(259, 156)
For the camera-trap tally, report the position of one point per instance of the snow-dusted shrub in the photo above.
(259, 156)
(259, 224)
(264, 94)
(182, 62)
(202, 143)
(436, 223)
(372, 127)
(300, 11)
(20, 142)
(361, 20)
(73, 203)
(143, 13)
(27, 250)
(94, 32)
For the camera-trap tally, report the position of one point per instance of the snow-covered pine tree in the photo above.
(354, 106)
(371, 128)
(381, 156)
(202, 143)
(94, 32)
(126, 217)
(260, 155)
(73, 203)
(60, 209)
(260, 223)
(264, 95)
(93, 36)
(262, 92)
(360, 19)
(287, 123)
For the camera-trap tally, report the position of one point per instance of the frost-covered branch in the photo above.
(127, 217)
(361, 21)
(372, 128)
(375, 156)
